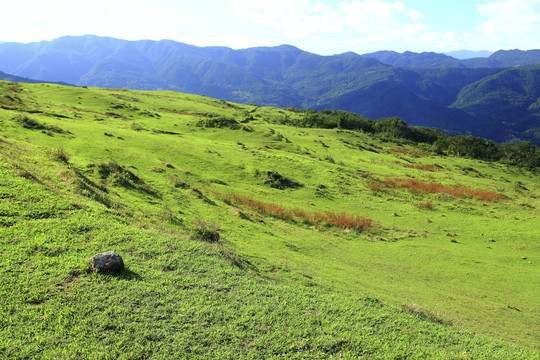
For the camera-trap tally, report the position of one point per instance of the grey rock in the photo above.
(107, 262)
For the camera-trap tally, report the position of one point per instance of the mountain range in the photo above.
(468, 54)
(497, 97)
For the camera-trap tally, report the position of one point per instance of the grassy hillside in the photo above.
(313, 225)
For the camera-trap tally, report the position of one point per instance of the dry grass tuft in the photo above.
(432, 187)
(329, 218)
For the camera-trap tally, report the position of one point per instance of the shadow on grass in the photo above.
(125, 274)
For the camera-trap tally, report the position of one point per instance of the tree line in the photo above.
(520, 153)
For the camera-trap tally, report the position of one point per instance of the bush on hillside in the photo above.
(204, 231)
(278, 181)
(60, 155)
(220, 122)
(119, 175)
(32, 124)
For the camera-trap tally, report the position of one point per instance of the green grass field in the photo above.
(448, 267)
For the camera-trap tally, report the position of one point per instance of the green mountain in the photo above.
(420, 90)
(13, 78)
(412, 59)
(8, 77)
(257, 232)
(498, 59)
(511, 97)
(506, 58)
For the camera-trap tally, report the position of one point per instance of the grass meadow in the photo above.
(244, 238)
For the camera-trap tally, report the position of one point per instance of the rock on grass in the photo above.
(107, 262)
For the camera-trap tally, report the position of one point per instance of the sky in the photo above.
(320, 26)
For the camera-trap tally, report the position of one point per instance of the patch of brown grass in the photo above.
(339, 220)
(407, 151)
(417, 166)
(427, 205)
(433, 187)
(15, 88)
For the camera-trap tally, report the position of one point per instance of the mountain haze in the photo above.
(412, 59)
(424, 89)
(498, 59)
(8, 77)
(468, 54)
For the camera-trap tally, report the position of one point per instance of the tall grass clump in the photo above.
(220, 122)
(33, 124)
(119, 175)
(426, 167)
(59, 155)
(204, 231)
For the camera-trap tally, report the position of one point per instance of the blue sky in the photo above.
(320, 26)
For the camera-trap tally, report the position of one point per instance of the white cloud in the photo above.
(304, 17)
(320, 26)
(510, 23)
(357, 25)
(128, 19)
(414, 15)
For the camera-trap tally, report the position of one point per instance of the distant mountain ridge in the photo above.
(14, 78)
(412, 59)
(468, 54)
(498, 59)
(9, 77)
(425, 89)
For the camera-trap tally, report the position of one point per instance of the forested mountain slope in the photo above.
(420, 90)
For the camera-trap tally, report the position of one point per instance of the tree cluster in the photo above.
(520, 153)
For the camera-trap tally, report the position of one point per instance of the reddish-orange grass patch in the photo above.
(407, 151)
(428, 205)
(433, 187)
(341, 219)
(417, 166)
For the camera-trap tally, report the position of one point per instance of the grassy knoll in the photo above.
(292, 275)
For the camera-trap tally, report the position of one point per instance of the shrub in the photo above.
(138, 127)
(220, 122)
(29, 123)
(112, 168)
(59, 155)
(204, 231)
(278, 181)
(32, 124)
(119, 175)
(178, 183)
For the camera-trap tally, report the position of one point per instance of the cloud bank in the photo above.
(369, 25)
(514, 23)
(320, 26)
